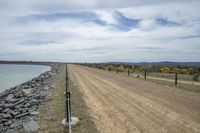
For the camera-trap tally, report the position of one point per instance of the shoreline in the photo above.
(19, 105)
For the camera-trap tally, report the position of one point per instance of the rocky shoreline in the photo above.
(19, 105)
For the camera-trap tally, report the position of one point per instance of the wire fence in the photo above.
(68, 102)
(168, 78)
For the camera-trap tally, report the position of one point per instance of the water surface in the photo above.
(12, 75)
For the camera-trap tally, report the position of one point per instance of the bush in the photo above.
(121, 68)
(195, 77)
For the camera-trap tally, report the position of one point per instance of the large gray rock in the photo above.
(16, 124)
(23, 110)
(26, 86)
(9, 112)
(8, 123)
(9, 105)
(10, 131)
(14, 100)
(19, 102)
(1, 126)
(22, 115)
(27, 105)
(34, 102)
(15, 113)
(9, 97)
(5, 110)
(34, 113)
(27, 91)
(30, 126)
(1, 104)
(46, 87)
(6, 116)
(3, 94)
(18, 106)
(32, 85)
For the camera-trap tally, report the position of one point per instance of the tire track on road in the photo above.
(125, 110)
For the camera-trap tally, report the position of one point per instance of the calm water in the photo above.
(12, 75)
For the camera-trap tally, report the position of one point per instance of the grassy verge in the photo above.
(184, 86)
(52, 113)
(188, 87)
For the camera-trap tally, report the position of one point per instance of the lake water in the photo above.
(12, 75)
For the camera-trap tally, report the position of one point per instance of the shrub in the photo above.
(195, 77)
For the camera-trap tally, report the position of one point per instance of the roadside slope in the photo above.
(122, 104)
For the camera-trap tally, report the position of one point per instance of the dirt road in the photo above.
(121, 104)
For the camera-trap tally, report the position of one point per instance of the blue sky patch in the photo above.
(165, 22)
(190, 37)
(125, 23)
(82, 16)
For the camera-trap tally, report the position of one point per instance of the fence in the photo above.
(173, 78)
(68, 102)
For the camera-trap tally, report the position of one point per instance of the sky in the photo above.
(100, 30)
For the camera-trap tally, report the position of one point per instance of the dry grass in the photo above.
(183, 86)
(52, 113)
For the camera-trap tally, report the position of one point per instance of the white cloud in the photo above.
(107, 16)
(148, 24)
(100, 38)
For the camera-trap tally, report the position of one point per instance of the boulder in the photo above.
(3, 94)
(26, 87)
(4, 120)
(10, 131)
(23, 110)
(8, 123)
(1, 104)
(22, 115)
(9, 97)
(27, 105)
(34, 102)
(46, 87)
(5, 110)
(8, 105)
(34, 113)
(19, 102)
(18, 106)
(15, 113)
(1, 127)
(14, 100)
(30, 126)
(16, 123)
(6, 116)
(32, 85)
(27, 91)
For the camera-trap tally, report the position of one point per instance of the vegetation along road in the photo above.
(121, 104)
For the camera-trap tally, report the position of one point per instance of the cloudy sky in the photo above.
(100, 30)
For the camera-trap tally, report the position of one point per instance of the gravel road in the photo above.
(122, 104)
